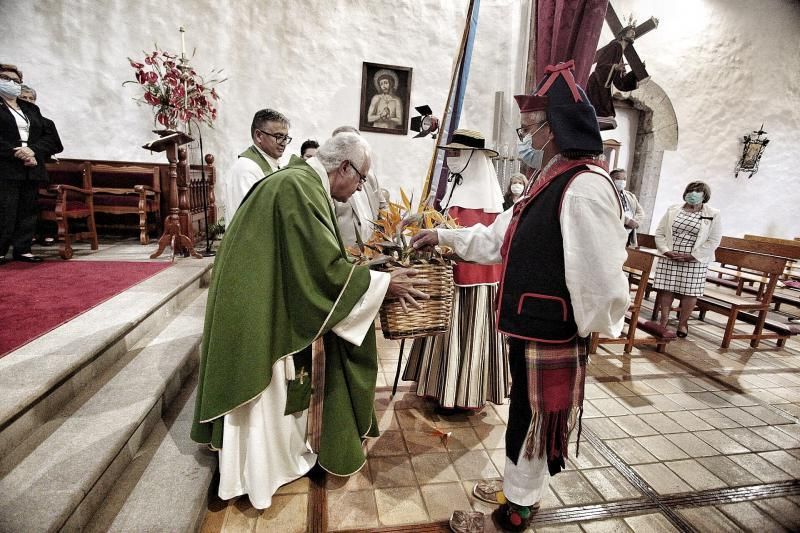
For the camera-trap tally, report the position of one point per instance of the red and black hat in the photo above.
(570, 115)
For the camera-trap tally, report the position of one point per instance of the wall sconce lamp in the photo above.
(754, 146)
(425, 123)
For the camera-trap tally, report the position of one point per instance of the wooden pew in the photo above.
(638, 266)
(732, 305)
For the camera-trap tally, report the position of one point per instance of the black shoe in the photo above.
(3, 260)
(28, 258)
(682, 334)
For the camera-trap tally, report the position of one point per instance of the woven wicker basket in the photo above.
(434, 316)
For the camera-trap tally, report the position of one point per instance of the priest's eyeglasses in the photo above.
(279, 137)
(361, 177)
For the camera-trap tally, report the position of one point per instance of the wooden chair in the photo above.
(731, 305)
(69, 197)
(638, 266)
(128, 189)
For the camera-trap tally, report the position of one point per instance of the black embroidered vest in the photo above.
(534, 302)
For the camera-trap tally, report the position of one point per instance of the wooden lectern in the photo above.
(180, 243)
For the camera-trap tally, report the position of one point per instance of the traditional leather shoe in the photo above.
(682, 334)
(28, 258)
(3, 260)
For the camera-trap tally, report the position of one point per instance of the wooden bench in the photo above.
(638, 266)
(732, 305)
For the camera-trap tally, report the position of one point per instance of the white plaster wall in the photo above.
(302, 57)
(728, 66)
(624, 133)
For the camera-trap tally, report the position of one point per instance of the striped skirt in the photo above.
(467, 366)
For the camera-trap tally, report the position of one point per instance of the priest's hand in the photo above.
(403, 286)
(425, 240)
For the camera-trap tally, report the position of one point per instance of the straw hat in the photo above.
(468, 140)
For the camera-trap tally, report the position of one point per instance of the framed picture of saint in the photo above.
(385, 95)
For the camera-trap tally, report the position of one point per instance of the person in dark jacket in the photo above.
(26, 142)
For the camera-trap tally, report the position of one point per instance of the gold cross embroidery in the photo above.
(302, 374)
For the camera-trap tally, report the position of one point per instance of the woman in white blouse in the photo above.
(687, 236)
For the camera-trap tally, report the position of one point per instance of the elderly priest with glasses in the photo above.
(282, 280)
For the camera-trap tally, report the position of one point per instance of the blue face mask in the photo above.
(693, 198)
(529, 155)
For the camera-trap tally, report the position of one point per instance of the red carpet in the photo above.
(37, 298)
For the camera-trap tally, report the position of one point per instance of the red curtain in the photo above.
(564, 30)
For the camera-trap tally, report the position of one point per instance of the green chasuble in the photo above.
(255, 156)
(281, 280)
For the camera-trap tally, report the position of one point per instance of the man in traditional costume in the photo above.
(562, 248)
(467, 366)
(281, 280)
(270, 133)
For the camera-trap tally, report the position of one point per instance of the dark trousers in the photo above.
(18, 210)
(519, 410)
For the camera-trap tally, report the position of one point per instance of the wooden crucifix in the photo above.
(610, 69)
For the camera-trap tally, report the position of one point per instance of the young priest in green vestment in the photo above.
(281, 280)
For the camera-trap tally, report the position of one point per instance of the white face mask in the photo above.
(619, 184)
(456, 163)
(10, 89)
(517, 188)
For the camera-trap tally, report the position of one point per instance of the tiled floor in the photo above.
(698, 439)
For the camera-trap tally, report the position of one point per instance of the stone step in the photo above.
(165, 487)
(58, 476)
(40, 377)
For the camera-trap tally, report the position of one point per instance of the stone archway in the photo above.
(657, 131)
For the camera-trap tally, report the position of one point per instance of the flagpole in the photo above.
(457, 67)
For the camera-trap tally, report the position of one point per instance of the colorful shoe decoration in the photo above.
(514, 518)
(489, 491)
(467, 522)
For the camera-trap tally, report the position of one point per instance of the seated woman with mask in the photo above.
(687, 236)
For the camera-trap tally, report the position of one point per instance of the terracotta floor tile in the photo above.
(474, 465)
(721, 442)
(389, 443)
(631, 451)
(392, 471)
(348, 510)
(486, 416)
(708, 520)
(417, 419)
(610, 484)
(492, 437)
(662, 479)
(241, 516)
(653, 523)
(463, 438)
(442, 499)
(298, 486)
(400, 505)
(423, 442)
(695, 475)
(692, 445)
(361, 480)
(433, 468)
(387, 420)
(760, 467)
(287, 514)
(661, 447)
(455, 420)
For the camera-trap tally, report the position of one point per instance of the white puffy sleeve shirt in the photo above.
(594, 252)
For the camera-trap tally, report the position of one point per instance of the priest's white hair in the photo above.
(343, 147)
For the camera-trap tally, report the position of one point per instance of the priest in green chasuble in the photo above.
(281, 280)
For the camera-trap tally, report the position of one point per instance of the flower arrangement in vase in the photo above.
(175, 90)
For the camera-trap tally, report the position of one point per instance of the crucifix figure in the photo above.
(611, 69)
(302, 375)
